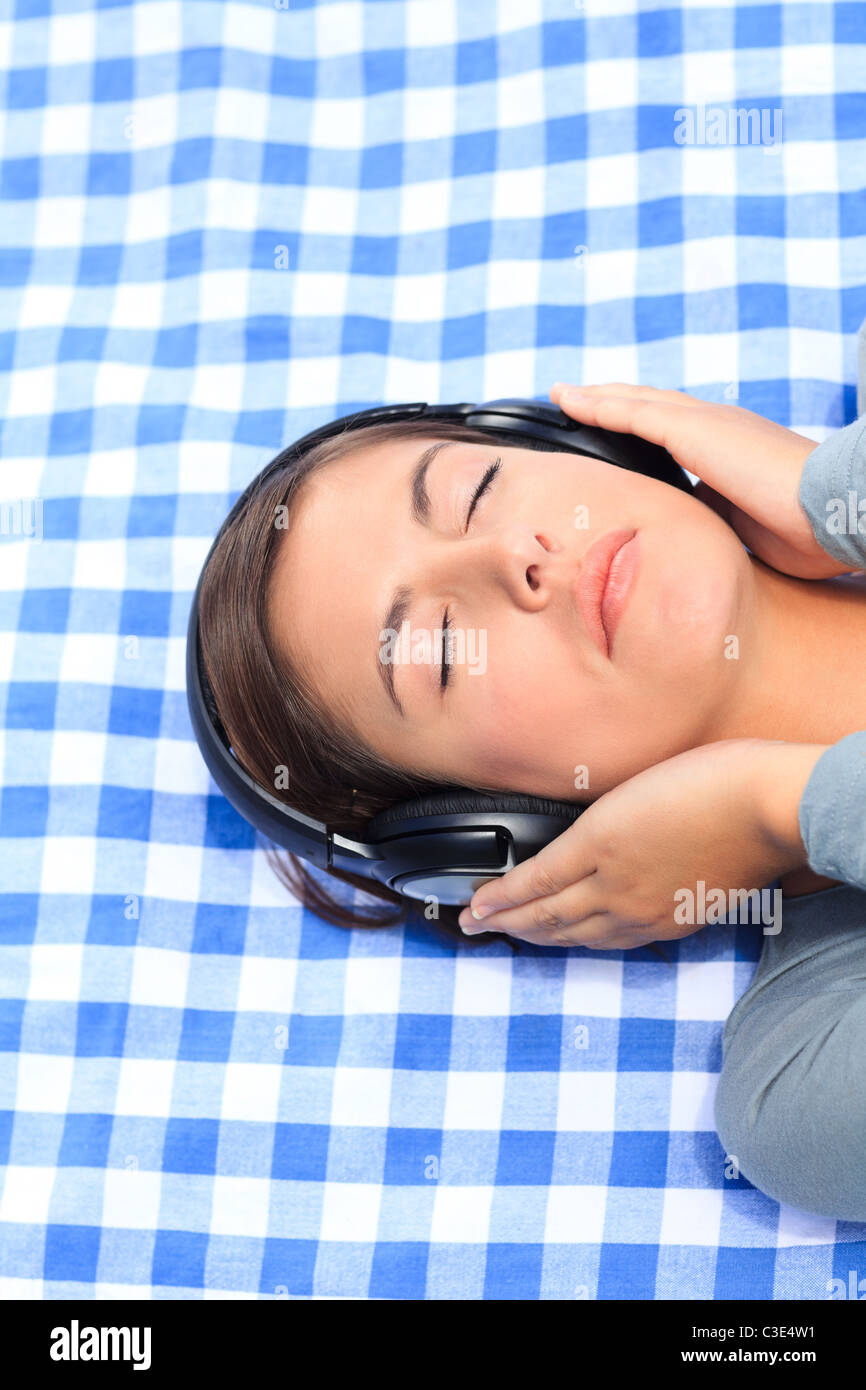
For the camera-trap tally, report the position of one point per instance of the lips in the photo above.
(600, 603)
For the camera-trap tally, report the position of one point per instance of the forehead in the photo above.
(321, 599)
(367, 469)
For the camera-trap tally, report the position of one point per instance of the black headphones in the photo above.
(442, 846)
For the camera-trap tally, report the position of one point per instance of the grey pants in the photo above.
(791, 1101)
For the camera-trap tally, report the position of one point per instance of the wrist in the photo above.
(780, 775)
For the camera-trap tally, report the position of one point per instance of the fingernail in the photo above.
(571, 393)
(479, 912)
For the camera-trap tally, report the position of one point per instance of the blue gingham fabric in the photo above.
(221, 224)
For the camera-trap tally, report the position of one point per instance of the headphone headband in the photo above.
(447, 845)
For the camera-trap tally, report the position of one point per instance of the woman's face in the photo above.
(533, 701)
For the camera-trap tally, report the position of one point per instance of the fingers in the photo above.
(653, 415)
(718, 443)
(560, 864)
(558, 919)
(627, 390)
(601, 938)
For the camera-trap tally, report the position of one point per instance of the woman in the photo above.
(690, 709)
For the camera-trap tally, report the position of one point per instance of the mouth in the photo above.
(604, 582)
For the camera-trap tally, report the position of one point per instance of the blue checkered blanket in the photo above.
(221, 224)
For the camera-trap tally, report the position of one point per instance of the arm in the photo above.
(784, 771)
(724, 813)
(832, 812)
(832, 809)
(831, 473)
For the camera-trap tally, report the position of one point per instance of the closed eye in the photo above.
(482, 488)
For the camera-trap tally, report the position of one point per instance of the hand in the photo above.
(725, 812)
(749, 467)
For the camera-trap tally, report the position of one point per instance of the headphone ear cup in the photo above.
(456, 801)
(445, 844)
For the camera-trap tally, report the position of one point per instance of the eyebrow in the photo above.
(420, 512)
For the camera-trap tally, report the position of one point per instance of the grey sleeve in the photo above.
(832, 812)
(832, 487)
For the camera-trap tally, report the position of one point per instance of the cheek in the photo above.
(698, 601)
(505, 731)
(687, 598)
(540, 711)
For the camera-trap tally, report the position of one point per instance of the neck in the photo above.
(802, 675)
(802, 660)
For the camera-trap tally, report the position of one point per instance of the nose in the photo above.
(523, 562)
